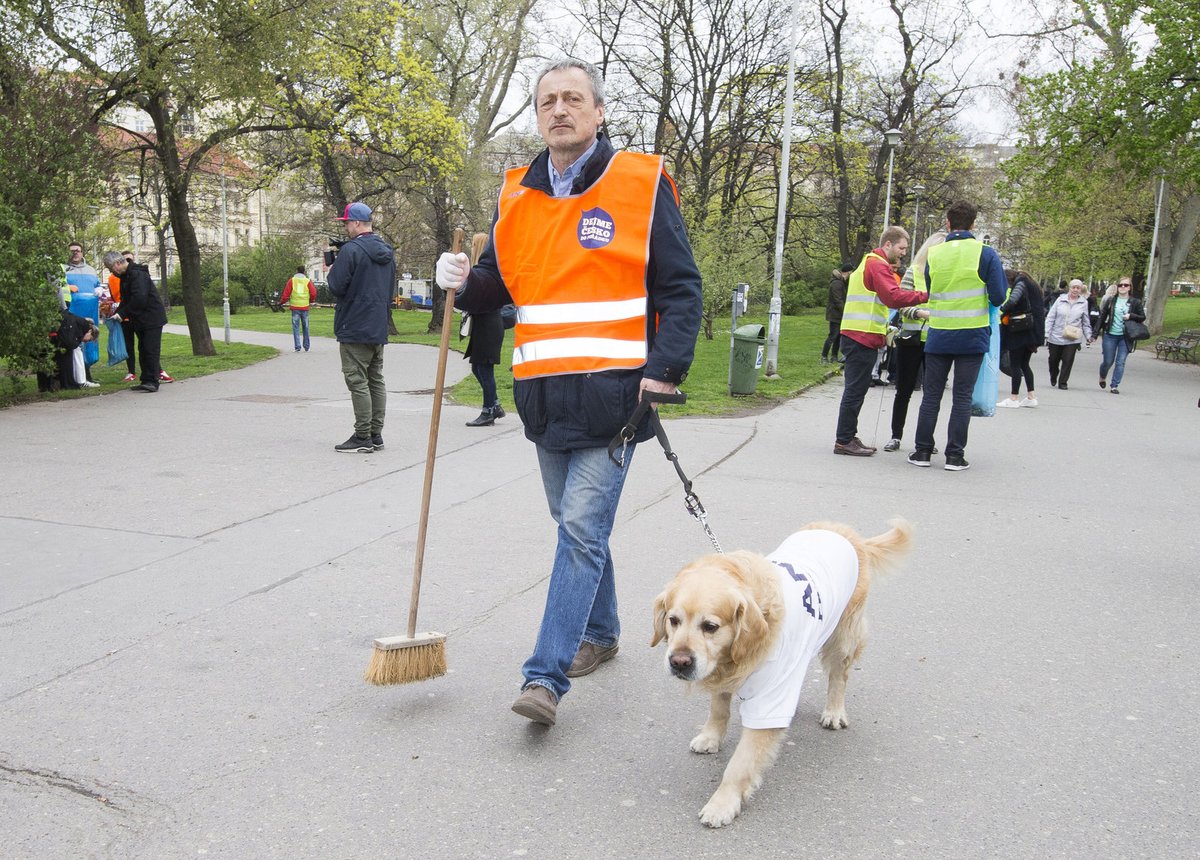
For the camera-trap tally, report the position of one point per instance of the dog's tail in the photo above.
(886, 551)
(880, 554)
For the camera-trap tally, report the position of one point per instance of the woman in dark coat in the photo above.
(1022, 321)
(483, 351)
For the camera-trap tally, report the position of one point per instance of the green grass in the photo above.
(799, 364)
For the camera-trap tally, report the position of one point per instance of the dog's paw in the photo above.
(721, 809)
(834, 719)
(706, 743)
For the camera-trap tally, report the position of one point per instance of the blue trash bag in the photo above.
(116, 343)
(983, 398)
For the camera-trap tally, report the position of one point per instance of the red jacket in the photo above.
(885, 283)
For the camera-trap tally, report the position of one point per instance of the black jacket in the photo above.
(1025, 298)
(362, 279)
(140, 304)
(1136, 312)
(835, 302)
(585, 410)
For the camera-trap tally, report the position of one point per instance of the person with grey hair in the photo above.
(1068, 327)
(142, 307)
(589, 244)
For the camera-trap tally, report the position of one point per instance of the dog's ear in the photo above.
(660, 618)
(749, 630)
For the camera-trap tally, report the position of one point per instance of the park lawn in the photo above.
(800, 340)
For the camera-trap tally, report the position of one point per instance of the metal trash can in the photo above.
(747, 358)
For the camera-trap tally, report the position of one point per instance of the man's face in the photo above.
(567, 114)
(895, 251)
(75, 253)
(118, 267)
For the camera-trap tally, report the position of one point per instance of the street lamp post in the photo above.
(917, 189)
(892, 138)
(224, 254)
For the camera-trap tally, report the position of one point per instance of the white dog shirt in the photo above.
(817, 572)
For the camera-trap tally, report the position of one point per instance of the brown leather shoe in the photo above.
(853, 448)
(537, 703)
(589, 657)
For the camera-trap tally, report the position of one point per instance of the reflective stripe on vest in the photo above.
(576, 269)
(864, 311)
(957, 295)
(299, 298)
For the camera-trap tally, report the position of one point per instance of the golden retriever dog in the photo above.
(748, 625)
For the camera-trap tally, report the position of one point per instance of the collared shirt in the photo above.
(562, 183)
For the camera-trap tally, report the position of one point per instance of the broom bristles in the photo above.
(403, 659)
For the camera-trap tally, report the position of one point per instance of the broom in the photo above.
(418, 657)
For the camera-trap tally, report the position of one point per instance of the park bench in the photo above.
(1181, 347)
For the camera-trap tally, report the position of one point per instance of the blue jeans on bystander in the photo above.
(583, 488)
(300, 320)
(1116, 350)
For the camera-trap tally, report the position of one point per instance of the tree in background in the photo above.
(1101, 135)
(49, 169)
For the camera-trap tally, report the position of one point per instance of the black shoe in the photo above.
(1063, 386)
(356, 445)
(377, 441)
(486, 418)
(1103, 383)
(150, 389)
(1053, 381)
(498, 411)
(919, 458)
(956, 464)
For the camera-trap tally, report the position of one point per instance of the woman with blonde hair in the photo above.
(483, 350)
(1117, 308)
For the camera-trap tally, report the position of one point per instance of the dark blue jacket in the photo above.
(585, 410)
(362, 279)
(970, 341)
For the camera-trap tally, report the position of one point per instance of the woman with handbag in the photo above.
(1021, 334)
(1117, 310)
(483, 351)
(1068, 327)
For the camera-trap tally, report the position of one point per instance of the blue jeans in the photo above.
(300, 318)
(583, 488)
(937, 369)
(1116, 350)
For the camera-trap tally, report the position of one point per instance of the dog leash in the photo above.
(625, 435)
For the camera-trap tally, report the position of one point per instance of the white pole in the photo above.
(887, 206)
(1154, 239)
(224, 253)
(775, 312)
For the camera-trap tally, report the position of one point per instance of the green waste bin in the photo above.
(747, 358)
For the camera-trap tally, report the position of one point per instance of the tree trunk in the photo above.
(176, 187)
(1174, 246)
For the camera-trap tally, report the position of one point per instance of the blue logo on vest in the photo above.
(595, 228)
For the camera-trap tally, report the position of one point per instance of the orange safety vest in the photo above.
(114, 287)
(576, 269)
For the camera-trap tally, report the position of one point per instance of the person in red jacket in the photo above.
(299, 295)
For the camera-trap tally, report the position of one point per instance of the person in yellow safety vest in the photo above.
(910, 344)
(963, 277)
(299, 295)
(871, 290)
(589, 244)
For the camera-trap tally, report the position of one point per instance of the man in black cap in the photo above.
(361, 279)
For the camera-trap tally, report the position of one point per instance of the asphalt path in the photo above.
(190, 582)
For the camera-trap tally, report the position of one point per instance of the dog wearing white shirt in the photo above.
(747, 625)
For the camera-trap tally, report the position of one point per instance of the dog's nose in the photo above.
(682, 663)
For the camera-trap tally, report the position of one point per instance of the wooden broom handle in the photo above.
(431, 452)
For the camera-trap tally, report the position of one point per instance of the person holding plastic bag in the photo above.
(140, 304)
(963, 276)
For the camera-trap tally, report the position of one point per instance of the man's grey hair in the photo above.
(588, 69)
(111, 257)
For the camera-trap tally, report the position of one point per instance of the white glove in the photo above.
(452, 270)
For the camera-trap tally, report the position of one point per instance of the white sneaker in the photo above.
(1008, 403)
(87, 384)
(1029, 401)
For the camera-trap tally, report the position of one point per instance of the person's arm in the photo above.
(991, 272)
(484, 291)
(312, 293)
(342, 271)
(880, 279)
(1014, 298)
(674, 286)
(287, 292)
